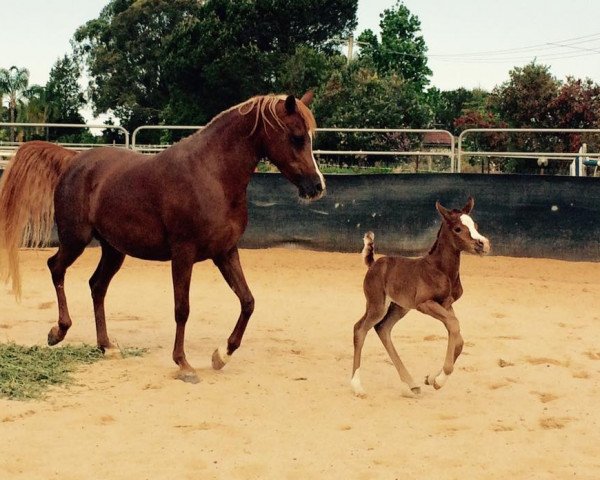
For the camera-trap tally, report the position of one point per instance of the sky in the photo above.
(471, 43)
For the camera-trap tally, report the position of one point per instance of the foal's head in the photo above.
(286, 139)
(462, 230)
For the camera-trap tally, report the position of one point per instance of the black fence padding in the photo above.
(523, 216)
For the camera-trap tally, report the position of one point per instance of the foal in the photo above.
(430, 284)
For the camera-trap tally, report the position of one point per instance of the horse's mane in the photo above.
(264, 106)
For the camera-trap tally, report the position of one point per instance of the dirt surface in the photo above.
(522, 402)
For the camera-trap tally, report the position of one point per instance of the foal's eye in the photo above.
(298, 140)
(457, 229)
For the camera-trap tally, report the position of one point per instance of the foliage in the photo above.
(64, 93)
(524, 101)
(448, 106)
(183, 61)
(13, 82)
(401, 51)
(358, 97)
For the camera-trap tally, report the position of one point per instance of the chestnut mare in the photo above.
(186, 204)
(430, 284)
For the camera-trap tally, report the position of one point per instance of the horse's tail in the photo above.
(27, 202)
(368, 250)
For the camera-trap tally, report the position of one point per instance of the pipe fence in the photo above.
(451, 147)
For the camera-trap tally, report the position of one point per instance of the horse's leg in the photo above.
(110, 263)
(231, 269)
(375, 312)
(182, 263)
(58, 264)
(455, 340)
(384, 330)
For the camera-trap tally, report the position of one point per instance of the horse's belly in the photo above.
(136, 243)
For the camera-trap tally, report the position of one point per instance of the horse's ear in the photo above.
(290, 104)
(469, 206)
(444, 212)
(307, 98)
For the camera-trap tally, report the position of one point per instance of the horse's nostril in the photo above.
(319, 187)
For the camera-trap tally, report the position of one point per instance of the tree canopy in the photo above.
(183, 61)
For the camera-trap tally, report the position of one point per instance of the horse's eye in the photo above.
(457, 229)
(298, 140)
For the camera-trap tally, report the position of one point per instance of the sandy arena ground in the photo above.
(522, 403)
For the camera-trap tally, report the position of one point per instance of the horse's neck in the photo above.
(224, 147)
(444, 256)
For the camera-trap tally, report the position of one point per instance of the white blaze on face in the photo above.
(315, 162)
(468, 222)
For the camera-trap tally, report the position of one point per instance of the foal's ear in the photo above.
(469, 206)
(307, 98)
(290, 104)
(444, 212)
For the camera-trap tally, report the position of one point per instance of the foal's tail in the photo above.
(369, 249)
(27, 202)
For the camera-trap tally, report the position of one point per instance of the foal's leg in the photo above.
(384, 330)
(455, 340)
(110, 263)
(182, 263)
(231, 269)
(375, 312)
(58, 264)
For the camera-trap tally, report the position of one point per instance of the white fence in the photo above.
(453, 149)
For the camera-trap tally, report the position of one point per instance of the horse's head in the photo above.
(287, 143)
(462, 230)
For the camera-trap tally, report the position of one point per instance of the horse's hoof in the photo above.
(53, 337)
(111, 352)
(416, 390)
(188, 377)
(427, 380)
(219, 360)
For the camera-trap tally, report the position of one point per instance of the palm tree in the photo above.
(39, 108)
(13, 82)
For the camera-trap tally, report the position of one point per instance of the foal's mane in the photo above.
(264, 107)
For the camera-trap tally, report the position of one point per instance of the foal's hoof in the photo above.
(416, 390)
(188, 376)
(53, 336)
(436, 382)
(219, 359)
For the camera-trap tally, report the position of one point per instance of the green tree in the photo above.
(64, 99)
(357, 96)
(13, 82)
(524, 101)
(402, 50)
(183, 61)
(448, 106)
(64, 95)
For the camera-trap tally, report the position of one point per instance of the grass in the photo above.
(27, 372)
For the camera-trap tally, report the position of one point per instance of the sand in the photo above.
(522, 403)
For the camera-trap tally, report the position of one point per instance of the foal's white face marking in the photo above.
(468, 222)
(310, 134)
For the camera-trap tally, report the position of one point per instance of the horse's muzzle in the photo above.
(482, 247)
(311, 188)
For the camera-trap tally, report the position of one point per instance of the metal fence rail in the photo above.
(154, 148)
(454, 149)
(522, 154)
